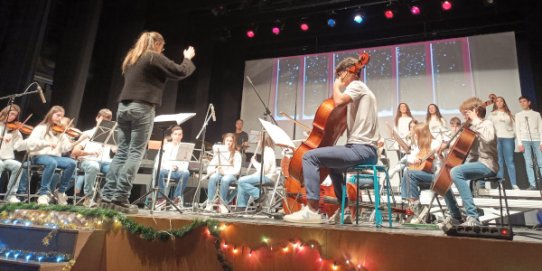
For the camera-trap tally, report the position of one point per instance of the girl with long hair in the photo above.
(145, 71)
(11, 141)
(223, 169)
(437, 123)
(45, 147)
(504, 123)
(249, 185)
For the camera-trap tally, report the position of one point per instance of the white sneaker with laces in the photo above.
(223, 209)
(515, 187)
(61, 198)
(448, 223)
(471, 222)
(209, 208)
(43, 200)
(13, 199)
(305, 215)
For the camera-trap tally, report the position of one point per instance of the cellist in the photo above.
(481, 162)
(362, 137)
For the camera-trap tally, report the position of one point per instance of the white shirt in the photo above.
(229, 167)
(94, 147)
(269, 163)
(504, 125)
(39, 142)
(534, 126)
(12, 141)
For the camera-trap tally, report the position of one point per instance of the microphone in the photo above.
(40, 92)
(213, 114)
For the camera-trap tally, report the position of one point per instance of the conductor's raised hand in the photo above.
(189, 53)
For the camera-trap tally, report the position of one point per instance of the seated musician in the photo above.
(94, 158)
(361, 147)
(223, 169)
(45, 147)
(481, 162)
(172, 169)
(11, 141)
(249, 185)
(419, 173)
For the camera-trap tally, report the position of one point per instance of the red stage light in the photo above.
(389, 14)
(446, 5)
(275, 30)
(250, 33)
(304, 27)
(415, 10)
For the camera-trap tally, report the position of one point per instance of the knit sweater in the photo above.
(145, 80)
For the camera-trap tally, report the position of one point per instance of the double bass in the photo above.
(328, 125)
(457, 154)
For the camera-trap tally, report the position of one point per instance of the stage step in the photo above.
(25, 245)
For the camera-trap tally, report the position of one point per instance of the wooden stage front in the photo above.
(260, 243)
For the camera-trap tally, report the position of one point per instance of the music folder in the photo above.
(184, 154)
(105, 133)
(172, 119)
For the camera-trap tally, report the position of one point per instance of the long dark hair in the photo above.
(399, 114)
(437, 113)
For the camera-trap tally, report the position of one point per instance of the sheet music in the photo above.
(277, 134)
(184, 155)
(178, 118)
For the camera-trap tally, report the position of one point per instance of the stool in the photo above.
(376, 185)
(502, 195)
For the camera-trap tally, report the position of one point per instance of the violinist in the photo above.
(45, 147)
(94, 158)
(361, 145)
(480, 163)
(11, 140)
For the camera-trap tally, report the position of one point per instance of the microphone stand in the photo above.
(202, 132)
(11, 100)
(267, 113)
(533, 158)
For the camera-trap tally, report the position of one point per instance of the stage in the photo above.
(262, 243)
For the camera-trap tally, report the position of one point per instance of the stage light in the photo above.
(415, 10)
(250, 33)
(331, 22)
(275, 30)
(389, 14)
(304, 27)
(358, 18)
(446, 5)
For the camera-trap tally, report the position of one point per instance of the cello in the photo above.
(328, 125)
(457, 154)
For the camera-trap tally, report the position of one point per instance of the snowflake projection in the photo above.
(316, 83)
(414, 85)
(287, 85)
(380, 79)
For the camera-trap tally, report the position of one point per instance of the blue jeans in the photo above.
(249, 187)
(135, 122)
(405, 184)
(50, 163)
(225, 182)
(461, 175)
(505, 149)
(177, 176)
(336, 159)
(91, 169)
(418, 177)
(529, 147)
(12, 166)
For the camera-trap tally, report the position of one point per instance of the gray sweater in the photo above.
(145, 80)
(484, 149)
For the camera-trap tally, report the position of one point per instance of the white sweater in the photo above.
(535, 126)
(39, 142)
(269, 163)
(15, 142)
(228, 167)
(504, 125)
(402, 126)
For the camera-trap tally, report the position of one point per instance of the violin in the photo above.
(20, 126)
(71, 132)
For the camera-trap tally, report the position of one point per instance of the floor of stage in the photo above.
(521, 233)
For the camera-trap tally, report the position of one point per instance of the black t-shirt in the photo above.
(240, 138)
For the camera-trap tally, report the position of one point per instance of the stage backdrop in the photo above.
(444, 72)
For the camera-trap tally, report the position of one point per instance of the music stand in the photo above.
(163, 122)
(182, 157)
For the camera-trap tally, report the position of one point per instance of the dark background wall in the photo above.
(74, 49)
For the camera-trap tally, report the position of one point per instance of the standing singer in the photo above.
(362, 126)
(145, 71)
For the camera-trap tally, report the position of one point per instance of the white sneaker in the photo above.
(13, 199)
(209, 208)
(222, 209)
(43, 200)
(305, 215)
(471, 222)
(61, 198)
(515, 187)
(336, 217)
